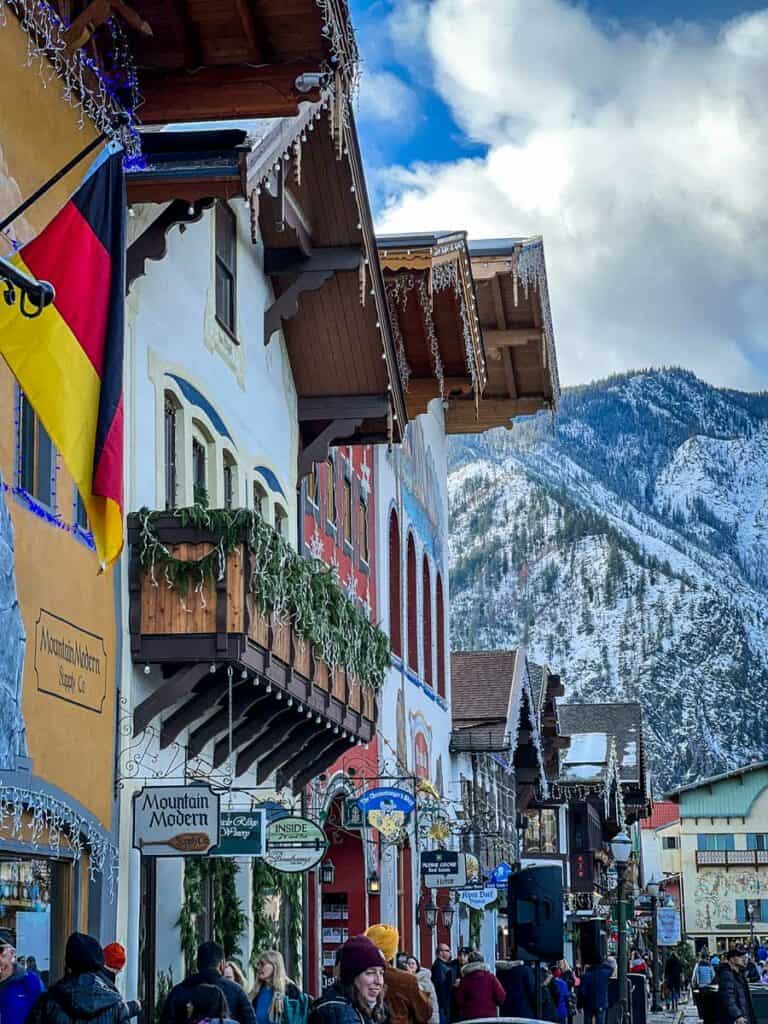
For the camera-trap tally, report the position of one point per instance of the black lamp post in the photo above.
(654, 888)
(327, 872)
(621, 847)
(374, 884)
(447, 913)
(430, 913)
(751, 918)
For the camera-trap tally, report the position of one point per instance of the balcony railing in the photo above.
(210, 592)
(731, 858)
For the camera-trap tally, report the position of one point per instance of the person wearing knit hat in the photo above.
(407, 1001)
(114, 962)
(357, 995)
(83, 993)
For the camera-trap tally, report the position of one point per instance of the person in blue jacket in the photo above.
(592, 994)
(19, 988)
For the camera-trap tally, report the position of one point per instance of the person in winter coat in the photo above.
(208, 1006)
(734, 1004)
(703, 973)
(480, 993)
(761, 953)
(444, 977)
(114, 962)
(558, 989)
(82, 994)
(520, 990)
(673, 980)
(592, 993)
(424, 978)
(19, 988)
(406, 1001)
(275, 998)
(357, 996)
(210, 967)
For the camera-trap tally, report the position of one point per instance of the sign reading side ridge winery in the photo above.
(174, 821)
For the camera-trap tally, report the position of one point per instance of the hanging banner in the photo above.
(443, 869)
(478, 899)
(175, 821)
(386, 808)
(668, 926)
(242, 834)
(295, 844)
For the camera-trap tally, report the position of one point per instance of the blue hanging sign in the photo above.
(386, 798)
(500, 874)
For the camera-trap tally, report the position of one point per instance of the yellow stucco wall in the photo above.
(71, 744)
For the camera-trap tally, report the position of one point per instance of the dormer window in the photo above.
(226, 267)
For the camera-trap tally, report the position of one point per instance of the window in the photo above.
(395, 624)
(362, 531)
(36, 459)
(330, 491)
(259, 500)
(170, 449)
(541, 833)
(281, 521)
(714, 841)
(312, 486)
(669, 842)
(230, 481)
(757, 840)
(226, 266)
(80, 516)
(347, 524)
(412, 607)
(199, 477)
(440, 613)
(426, 589)
(759, 910)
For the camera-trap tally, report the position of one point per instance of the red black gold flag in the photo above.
(69, 359)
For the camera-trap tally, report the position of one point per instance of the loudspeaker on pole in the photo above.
(536, 913)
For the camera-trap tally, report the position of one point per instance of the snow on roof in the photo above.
(587, 748)
(582, 772)
(629, 757)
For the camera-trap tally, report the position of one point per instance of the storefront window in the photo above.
(541, 833)
(27, 887)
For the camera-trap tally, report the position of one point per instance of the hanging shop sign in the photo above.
(668, 926)
(175, 821)
(443, 869)
(478, 899)
(352, 814)
(242, 834)
(386, 808)
(500, 874)
(295, 844)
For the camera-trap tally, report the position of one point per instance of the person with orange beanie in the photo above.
(114, 962)
(408, 1003)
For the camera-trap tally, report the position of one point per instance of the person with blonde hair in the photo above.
(275, 998)
(233, 973)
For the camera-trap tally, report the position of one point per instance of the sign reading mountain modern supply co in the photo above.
(243, 834)
(443, 869)
(175, 821)
(295, 844)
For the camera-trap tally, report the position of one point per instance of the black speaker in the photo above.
(592, 941)
(536, 913)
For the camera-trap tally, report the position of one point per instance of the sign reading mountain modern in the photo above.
(174, 821)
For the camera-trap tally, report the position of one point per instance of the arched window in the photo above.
(231, 486)
(171, 450)
(395, 619)
(426, 590)
(440, 608)
(203, 480)
(281, 521)
(260, 500)
(413, 608)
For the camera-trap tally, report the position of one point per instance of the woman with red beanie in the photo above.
(358, 995)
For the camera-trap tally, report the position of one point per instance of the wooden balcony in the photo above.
(731, 858)
(292, 712)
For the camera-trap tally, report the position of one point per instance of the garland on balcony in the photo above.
(301, 591)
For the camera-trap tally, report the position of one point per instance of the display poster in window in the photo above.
(668, 926)
(243, 834)
(295, 844)
(70, 663)
(175, 821)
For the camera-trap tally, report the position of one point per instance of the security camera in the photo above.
(311, 81)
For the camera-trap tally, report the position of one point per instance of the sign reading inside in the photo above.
(443, 869)
(242, 834)
(70, 662)
(295, 844)
(173, 821)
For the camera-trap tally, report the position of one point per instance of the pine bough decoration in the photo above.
(291, 589)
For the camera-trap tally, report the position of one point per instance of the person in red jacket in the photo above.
(480, 993)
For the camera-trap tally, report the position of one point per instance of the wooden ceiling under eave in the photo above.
(310, 201)
(226, 59)
(432, 310)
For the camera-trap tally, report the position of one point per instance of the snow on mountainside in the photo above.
(628, 548)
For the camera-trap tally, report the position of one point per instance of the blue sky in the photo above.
(635, 143)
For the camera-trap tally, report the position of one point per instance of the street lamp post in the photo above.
(621, 847)
(751, 918)
(653, 888)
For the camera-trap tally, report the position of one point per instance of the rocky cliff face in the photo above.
(12, 732)
(627, 546)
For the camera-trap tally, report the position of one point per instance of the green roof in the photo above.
(730, 795)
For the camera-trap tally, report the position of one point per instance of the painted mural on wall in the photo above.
(423, 498)
(716, 893)
(13, 741)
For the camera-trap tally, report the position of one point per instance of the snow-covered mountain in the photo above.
(627, 546)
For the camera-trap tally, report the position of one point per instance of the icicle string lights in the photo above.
(531, 270)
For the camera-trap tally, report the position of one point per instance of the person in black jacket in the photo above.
(357, 997)
(82, 994)
(673, 980)
(519, 983)
(210, 968)
(734, 1005)
(444, 975)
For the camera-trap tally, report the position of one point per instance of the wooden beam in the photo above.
(263, 740)
(312, 273)
(152, 244)
(317, 450)
(461, 419)
(221, 750)
(224, 93)
(333, 407)
(284, 750)
(513, 337)
(319, 764)
(166, 695)
(509, 372)
(190, 712)
(251, 29)
(498, 304)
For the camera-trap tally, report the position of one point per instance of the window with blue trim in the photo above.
(36, 457)
(714, 841)
(759, 910)
(79, 515)
(757, 840)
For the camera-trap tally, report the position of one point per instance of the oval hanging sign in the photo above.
(386, 798)
(295, 844)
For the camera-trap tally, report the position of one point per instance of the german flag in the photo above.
(69, 359)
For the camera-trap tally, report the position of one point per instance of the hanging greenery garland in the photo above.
(301, 591)
(267, 933)
(228, 919)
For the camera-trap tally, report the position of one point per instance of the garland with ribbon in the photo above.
(301, 592)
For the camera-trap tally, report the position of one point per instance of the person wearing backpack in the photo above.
(19, 988)
(275, 998)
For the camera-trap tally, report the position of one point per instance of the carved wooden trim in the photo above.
(166, 695)
(152, 243)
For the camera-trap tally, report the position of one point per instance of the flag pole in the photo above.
(52, 181)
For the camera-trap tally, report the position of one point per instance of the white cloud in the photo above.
(386, 99)
(641, 157)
